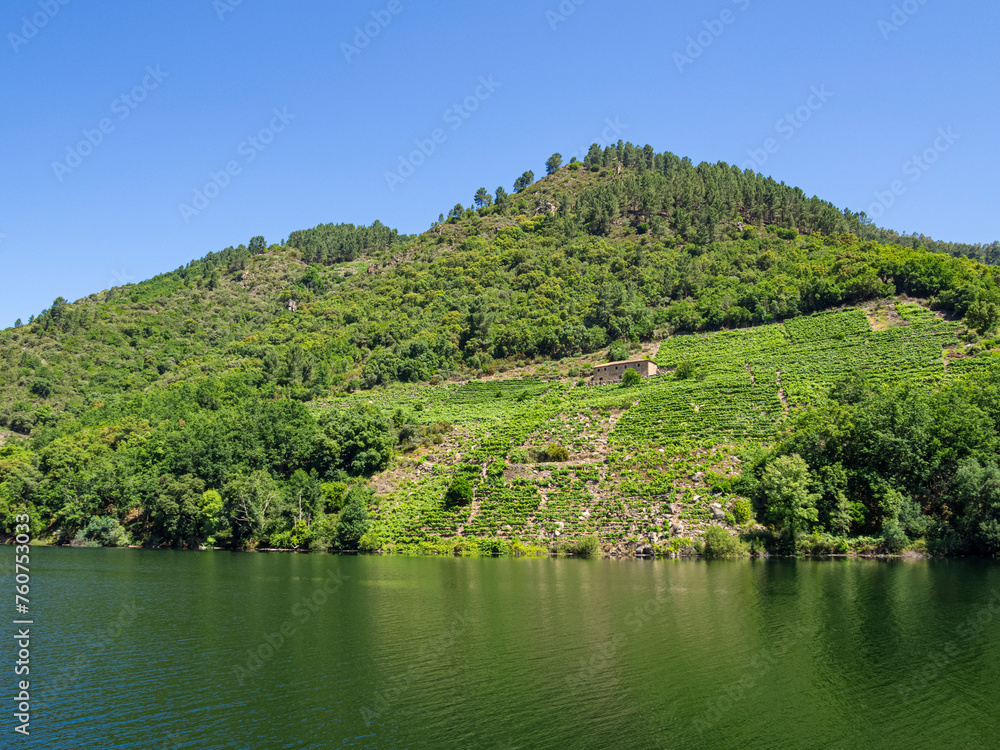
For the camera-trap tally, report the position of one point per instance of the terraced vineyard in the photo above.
(649, 466)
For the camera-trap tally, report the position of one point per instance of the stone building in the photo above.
(612, 372)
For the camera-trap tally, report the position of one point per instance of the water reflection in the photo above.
(511, 653)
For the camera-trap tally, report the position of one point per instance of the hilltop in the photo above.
(354, 387)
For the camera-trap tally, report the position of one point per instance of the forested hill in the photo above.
(243, 399)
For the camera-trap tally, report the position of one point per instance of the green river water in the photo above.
(144, 649)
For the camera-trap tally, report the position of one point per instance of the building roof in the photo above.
(626, 362)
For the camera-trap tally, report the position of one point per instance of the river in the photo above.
(152, 649)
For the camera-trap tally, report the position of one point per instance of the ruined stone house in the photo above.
(612, 372)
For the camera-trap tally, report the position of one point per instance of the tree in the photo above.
(381, 368)
(176, 511)
(619, 350)
(359, 440)
(213, 516)
(17, 323)
(249, 501)
(982, 317)
(482, 198)
(631, 378)
(977, 497)
(553, 164)
(502, 199)
(785, 487)
(353, 521)
(456, 212)
(837, 510)
(257, 245)
(305, 495)
(524, 181)
(272, 366)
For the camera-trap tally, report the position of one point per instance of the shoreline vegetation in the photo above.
(589, 550)
(823, 385)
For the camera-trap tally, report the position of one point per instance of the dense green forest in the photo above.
(357, 388)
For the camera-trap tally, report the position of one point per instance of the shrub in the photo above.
(42, 387)
(618, 351)
(758, 546)
(589, 546)
(787, 234)
(459, 492)
(685, 370)
(320, 536)
(822, 543)
(556, 452)
(742, 511)
(493, 547)
(631, 378)
(719, 544)
(894, 539)
(353, 521)
(102, 531)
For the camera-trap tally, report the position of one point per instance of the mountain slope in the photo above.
(178, 407)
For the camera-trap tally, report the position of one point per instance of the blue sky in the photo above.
(281, 116)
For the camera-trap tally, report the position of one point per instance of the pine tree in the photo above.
(524, 181)
(483, 198)
(502, 199)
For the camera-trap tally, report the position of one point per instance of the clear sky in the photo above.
(284, 115)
